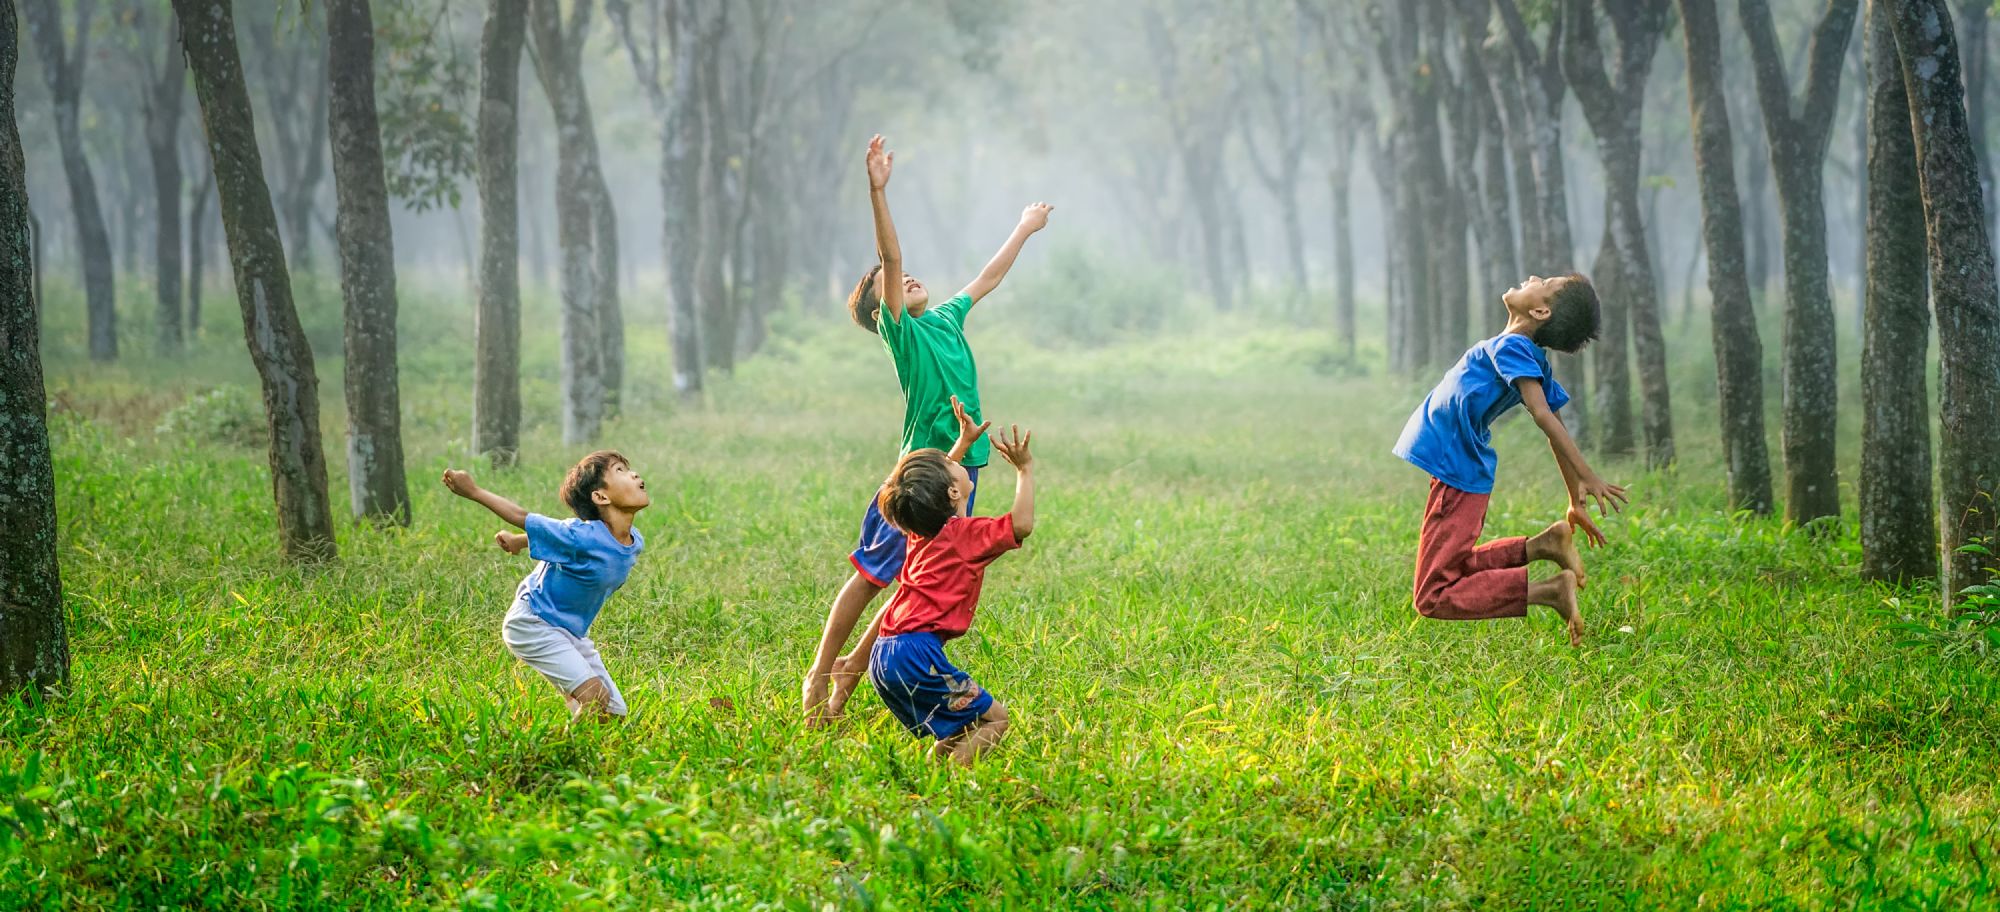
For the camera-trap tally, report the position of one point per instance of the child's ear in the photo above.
(1542, 312)
(600, 497)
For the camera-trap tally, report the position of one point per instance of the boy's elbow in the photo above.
(1022, 531)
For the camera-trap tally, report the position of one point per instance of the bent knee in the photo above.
(994, 715)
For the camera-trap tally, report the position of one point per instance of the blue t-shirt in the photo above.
(579, 563)
(1450, 435)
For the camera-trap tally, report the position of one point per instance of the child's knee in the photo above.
(994, 716)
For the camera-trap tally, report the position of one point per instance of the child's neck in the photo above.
(1523, 326)
(619, 522)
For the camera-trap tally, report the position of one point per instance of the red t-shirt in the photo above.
(939, 585)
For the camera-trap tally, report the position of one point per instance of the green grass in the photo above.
(1223, 699)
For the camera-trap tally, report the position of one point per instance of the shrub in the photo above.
(228, 415)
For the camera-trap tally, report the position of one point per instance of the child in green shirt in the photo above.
(934, 366)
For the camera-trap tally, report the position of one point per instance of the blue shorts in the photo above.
(879, 555)
(921, 687)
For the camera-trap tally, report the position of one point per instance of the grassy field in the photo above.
(1223, 699)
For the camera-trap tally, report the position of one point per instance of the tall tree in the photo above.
(166, 92)
(34, 648)
(1416, 152)
(263, 285)
(676, 101)
(1974, 14)
(1963, 290)
(558, 45)
(376, 487)
(1345, 85)
(1279, 77)
(291, 58)
(496, 372)
(62, 67)
(1196, 108)
(1898, 514)
(1798, 129)
(197, 250)
(1614, 102)
(1547, 245)
(1489, 200)
(1739, 354)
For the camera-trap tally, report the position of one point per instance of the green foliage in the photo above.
(1223, 699)
(1079, 296)
(427, 84)
(229, 416)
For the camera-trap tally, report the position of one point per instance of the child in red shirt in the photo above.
(927, 497)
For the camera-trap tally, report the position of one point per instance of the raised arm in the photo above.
(887, 249)
(968, 433)
(461, 483)
(1033, 219)
(1578, 477)
(1014, 449)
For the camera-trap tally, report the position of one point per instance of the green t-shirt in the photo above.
(933, 364)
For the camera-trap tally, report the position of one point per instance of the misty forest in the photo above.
(283, 283)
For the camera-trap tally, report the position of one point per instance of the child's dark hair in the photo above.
(587, 478)
(863, 304)
(917, 496)
(1572, 316)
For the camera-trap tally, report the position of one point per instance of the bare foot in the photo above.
(1563, 600)
(1558, 543)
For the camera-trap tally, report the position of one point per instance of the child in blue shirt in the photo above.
(1450, 437)
(578, 564)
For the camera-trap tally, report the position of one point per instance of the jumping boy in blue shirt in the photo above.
(578, 564)
(1449, 437)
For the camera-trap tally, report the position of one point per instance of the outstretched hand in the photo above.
(1610, 497)
(880, 162)
(1036, 216)
(1014, 448)
(1579, 520)
(967, 431)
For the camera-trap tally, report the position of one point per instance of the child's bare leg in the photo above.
(840, 619)
(1558, 543)
(1559, 592)
(981, 736)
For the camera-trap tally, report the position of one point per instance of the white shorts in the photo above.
(567, 660)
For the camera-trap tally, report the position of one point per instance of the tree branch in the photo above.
(1829, 53)
(1583, 61)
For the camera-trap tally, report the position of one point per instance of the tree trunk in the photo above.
(1798, 131)
(718, 321)
(34, 647)
(558, 68)
(62, 67)
(1342, 185)
(197, 252)
(610, 313)
(1739, 354)
(496, 372)
(1898, 514)
(302, 194)
(680, 190)
(35, 256)
(1614, 101)
(376, 487)
(263, 285)
(163, 126)
(1973, 60)
(1963, 290)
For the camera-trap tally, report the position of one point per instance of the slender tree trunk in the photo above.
(35, 257)
(1798, 130)
(62, 67)
(1739, 354)
(197, 252)
(34, 647)
(496, 373)
(583, 340)
(1342, 184)
(610, 312)
(300, 198)
(377, 489)
(1898, 514)
(263, 286)
(680, 189)
(1963, 290)
(163, 126)
(718, 323)
(1613, 101)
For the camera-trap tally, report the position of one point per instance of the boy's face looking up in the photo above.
(1532, 298)
(915, 296)
(623, 490)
